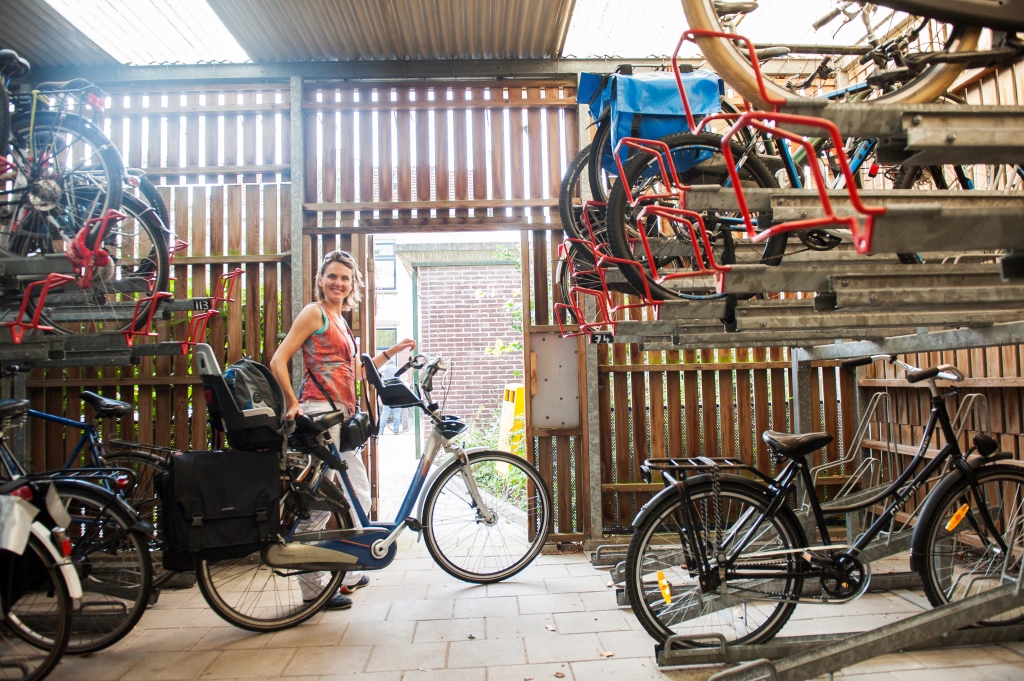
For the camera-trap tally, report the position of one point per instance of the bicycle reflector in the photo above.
(23, 493)
(666, 588)
(957, 517)
(61, 541)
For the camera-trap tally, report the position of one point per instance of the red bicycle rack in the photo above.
(223, 292)
(145, 329)
(18, 328)
(573, 305)
(768, 122)
(228, 280)
(85, 258)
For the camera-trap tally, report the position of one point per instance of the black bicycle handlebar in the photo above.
(856, 362)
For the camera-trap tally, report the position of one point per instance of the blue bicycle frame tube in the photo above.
(88, 435)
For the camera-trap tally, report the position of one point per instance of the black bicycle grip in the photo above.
(922, 375)
(855, 362)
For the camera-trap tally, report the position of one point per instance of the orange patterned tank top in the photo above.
(329, 353)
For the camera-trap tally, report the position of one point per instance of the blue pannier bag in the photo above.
(648, 106)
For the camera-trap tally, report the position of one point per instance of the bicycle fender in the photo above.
(671, 490)
(116, 500)
(918, 540)
(429, 482)
(67, 568)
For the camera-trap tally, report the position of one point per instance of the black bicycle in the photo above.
(720, 554)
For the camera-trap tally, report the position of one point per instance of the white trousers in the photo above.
(312, 584)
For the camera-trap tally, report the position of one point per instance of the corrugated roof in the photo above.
(348, 30)
(40, 34)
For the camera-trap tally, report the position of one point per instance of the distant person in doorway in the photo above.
(329, 354)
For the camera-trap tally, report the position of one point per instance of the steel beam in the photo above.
(846, 275)
(298, 180)
(447, 69)
(802, 319)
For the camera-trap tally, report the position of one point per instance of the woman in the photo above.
(329, 356)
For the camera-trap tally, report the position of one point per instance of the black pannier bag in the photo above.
(219, 505)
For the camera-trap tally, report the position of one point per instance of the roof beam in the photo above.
(375, 70)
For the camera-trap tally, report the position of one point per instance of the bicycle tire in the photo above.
(140, 264)
(660, 542)
(735, 69)
(524, 519)
(34, 627)
(151, 195)
(600, 152)
(5, 122)
(114, 566)
(144, 499)
(47, 191)
(569, 192)
(709, 171)
(250, 608)
(961, 553)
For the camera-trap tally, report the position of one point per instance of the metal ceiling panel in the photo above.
(355, 30)
(40, 34)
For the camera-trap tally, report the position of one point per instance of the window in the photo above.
(385, 266)
(386, 338)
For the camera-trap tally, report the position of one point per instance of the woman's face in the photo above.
(336, 282)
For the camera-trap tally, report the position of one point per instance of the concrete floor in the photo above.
(556, 619)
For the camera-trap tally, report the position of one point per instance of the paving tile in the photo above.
(164, 640)
(308, 635)
(499, 606)
(169, 619)
(244, 664)
(480, 653)
(408, 657)
(521, 626)
(421, 610)
(206, 618)
(966, 656)
(459, 629)
(802, 628)
(106, 667)
(160, 666)
(519, 587)
(456, 590)
(998, 672)
(537, 671)
(550, 603)
(378, 633)
(435, 576)
(577, 585)
(374, 594)
(544, 572)
(364, 612)
(231, 638)
(585, 569)
(363, 676)
(858, 623)
(582, 622)
(476, 674)
(615, 668)
(884, 663)
(599, 600)
(626, 643)
(328, 660)
(562, 648)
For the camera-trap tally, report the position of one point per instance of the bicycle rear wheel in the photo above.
(661, 575)
(961, 558)
(700, 162)
(254, 596)
(732, 64)
(143, 497)
(36, 613)
(113, 563)
(493, 543)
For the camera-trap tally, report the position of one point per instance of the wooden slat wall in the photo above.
(700, 403)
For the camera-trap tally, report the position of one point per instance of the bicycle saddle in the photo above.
(318, 423)
(795, 444)
(106, 407)
(13, 66)
(10, 408)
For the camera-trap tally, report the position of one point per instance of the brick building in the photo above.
(461, 297)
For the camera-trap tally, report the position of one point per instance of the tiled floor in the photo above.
(557, 619)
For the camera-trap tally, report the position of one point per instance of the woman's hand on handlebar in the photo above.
(294, 410)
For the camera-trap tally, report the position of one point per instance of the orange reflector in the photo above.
(666, 588)
(957, 517)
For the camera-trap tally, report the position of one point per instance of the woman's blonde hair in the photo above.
(346, 259)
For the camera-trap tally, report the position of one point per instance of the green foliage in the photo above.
(483, 432)
(513, 306)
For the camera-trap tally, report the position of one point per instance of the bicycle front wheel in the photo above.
(36, 613)
(492, 543)
(661, 569)
(961, 557)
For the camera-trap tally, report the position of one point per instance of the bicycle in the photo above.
(109, 538)
(719, 556)
(484, 515)
(37, 578)
(921, 75)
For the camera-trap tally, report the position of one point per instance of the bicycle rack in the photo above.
(134, 328)
(18, 328)
(85, 258)
(223, 292)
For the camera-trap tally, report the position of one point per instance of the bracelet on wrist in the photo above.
(386, 355)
